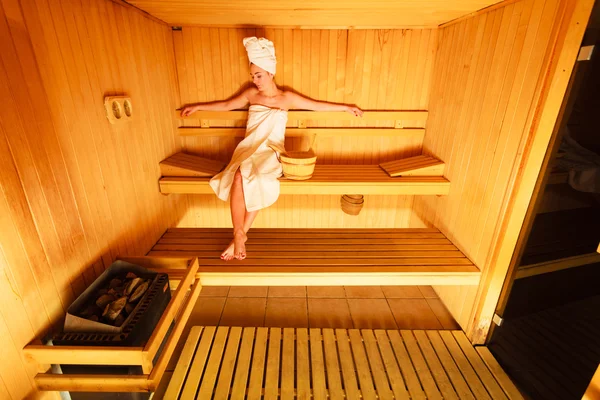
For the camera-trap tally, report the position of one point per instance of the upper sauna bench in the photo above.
(420, 175)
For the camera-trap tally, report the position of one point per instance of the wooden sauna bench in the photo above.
(327, 179)
(331, 180)
(330, 257)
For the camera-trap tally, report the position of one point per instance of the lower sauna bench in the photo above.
(288, 363)
(323, 257)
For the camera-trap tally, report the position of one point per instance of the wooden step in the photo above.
(182, 164)
(332, 179)
(414, 166)
(230, 362)
(323, 257)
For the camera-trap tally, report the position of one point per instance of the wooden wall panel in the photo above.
(308, 212)
(486, 85)
(375, 69)
(75, 191)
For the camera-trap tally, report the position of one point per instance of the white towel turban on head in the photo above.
(261, 52)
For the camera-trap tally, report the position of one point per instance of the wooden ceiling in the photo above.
(311, 13)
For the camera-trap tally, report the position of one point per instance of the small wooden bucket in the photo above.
(352, 203)
(298, 165)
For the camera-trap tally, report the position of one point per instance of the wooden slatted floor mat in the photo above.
(288, 363)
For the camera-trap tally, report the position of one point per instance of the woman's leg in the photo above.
(238, 216)
(250, 216)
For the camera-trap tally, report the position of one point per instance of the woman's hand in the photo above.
(354, 111)
(188, 110)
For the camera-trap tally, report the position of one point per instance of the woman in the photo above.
(250, 181)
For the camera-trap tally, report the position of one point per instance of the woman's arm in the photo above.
(303, 103)
(234, 103)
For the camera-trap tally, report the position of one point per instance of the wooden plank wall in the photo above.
(486, 85)
(75, 191)
(375, 69)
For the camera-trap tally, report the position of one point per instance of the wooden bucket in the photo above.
(298, 165)
(352, 203)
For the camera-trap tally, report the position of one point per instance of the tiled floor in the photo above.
(374, 307)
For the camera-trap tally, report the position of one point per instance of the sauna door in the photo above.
(549, 334)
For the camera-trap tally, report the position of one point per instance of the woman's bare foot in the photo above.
(239, 245)
(227, 255)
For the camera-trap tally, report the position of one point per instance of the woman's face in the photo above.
(260, 77)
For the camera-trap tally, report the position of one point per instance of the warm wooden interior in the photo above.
(492, 68)
(77, 191)
(314, 13)
(375, 69)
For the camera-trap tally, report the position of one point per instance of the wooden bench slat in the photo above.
(238, 115)
(331, 179)
(424, 276)
(269, 253)
(181, 164)
(321, 235)
(268, 262)
(307, 230)
(240, 132)
(184, 245)
(330, 242)
(367, 269)
(414, 166)
(322, 186)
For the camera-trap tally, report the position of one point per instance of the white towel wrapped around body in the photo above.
(257, 162)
